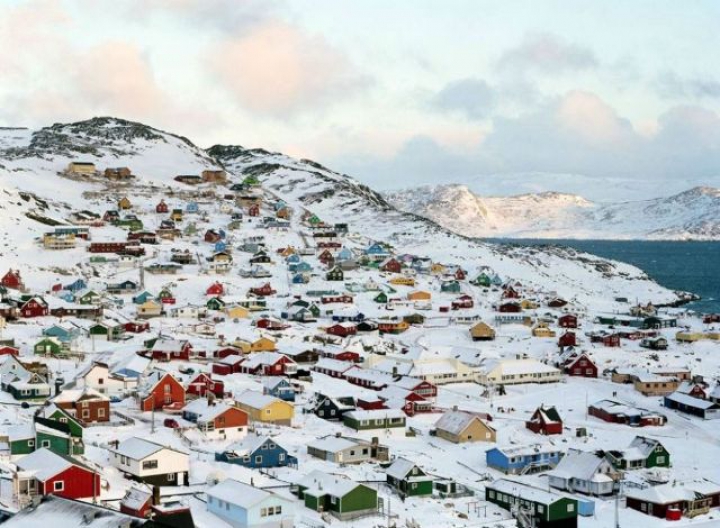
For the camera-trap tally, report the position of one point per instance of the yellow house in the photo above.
(689, 337)
(263, 408)
(176, 215)
(482, 332)
(149, 308)
(237, 312)
(81, 167)
(460, 427)
(124, 203)
(242, 345)
(542, 330)
(419, 295)
(53, 241)
(527, 304)
(264, 344)
(403, 281)
(288, 251)
(437, 269)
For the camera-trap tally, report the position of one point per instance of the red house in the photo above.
(460, 274)
(6, 350)
(268, 364)
(608, 340)
(420, 387)
(464, 301)
(162, 207)
(342, 329)
(568, 321)
(171, 349)
(60, 475)
(228, 365)
(203, 384)
(392, 265)
(137, 502)
(34, 307)
(254, 210)
(510, 293)
(581, 365)
(212, 236)
(367, 403)
(568, 339)
(12, 280)
(137, 327)
(557, 302)
(510, 307)
(545, 421)
(339, 298)
(164, 392)
(343, 355)
(215, 289)
(326, 257)
(270, 323)
(226, 351)
(263, 291)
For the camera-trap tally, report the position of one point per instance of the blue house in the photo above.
(303, 267)
(245, 506)
(299, 278)
(279, 388)
(63, 333)
(521, 460)
(293, 259)
(67, 296)
(256, 452)
(142, 298)
(377, 250)
(343, 255)
(220, 246)
(192, 207)
(76, 286)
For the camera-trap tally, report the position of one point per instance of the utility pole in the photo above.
(152, 423)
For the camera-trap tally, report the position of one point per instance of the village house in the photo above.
(269, 364)
(161, 390)
(44, 472)
(673, 500)
(217, 420)
(462, 426)
(87, 405)
(408, 480)
(514, 371)
(337, 495)
(257, 452)
(577, 364)
(81, 168)
(616, 412)
(166, 349)
(520, 460)
(264, 408)
(343, 450)
(546, 421)
(149, 462)
(245, 506)
(382, 420)
(482, 332)
(584, 472)
(532, 504)
(642, 453)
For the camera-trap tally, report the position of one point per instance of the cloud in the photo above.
(575, 134)
(277, 69)
(471, 97)
(547, 53)
(670, 85)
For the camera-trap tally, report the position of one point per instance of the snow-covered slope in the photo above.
(693, 214)
(33, 162)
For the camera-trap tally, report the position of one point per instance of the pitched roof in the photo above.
(238, 493)
(139, 448)
(455, 422)
(45, 464)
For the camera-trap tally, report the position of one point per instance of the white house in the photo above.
(514, 371)
(244, 506)
(152, 463)
(583, 472)
(113, 381)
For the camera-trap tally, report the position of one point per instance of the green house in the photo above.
(450, 287)
(109, 330)
(337, 495)
(20, 439)
(545, 508)
(642, 453)
(251, 181)
(483, 280)
(375, 419)
(314, 220)
(58, 431)
(89, 297)
(49, 346)
(133, 224)
(25, 385)
(215, 303)
(335, 274)
(408, 480)
(381, 298)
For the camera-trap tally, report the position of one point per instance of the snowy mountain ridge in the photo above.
(693, 214)
(33, 162)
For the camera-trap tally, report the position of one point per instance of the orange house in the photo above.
(165, 392)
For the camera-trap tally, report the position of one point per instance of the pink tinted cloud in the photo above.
(277, 69)
(591, 119)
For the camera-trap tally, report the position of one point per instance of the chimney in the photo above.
(59, 382)
(454, 407)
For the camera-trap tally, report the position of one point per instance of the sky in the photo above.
(612, 100)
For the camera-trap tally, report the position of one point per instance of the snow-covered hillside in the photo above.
(693, 214)
(33, 161)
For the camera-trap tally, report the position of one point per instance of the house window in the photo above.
(281, 457)
(86, 413)
(333, 499)
(263, 512)
(258, 459)
(643, 506)
(101, 412)
(660, 459)
(571, 508)
(150, 464)
(58, 485)
(45, 443)
(31, 443)
(171, 477)
(541, 508)
(278, 510)
(491, 494)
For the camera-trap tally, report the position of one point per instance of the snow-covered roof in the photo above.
(247, 445)
(44, 464)
(256, 400)
(400, 468)
(520, 489)
(139, 448)
(318, 483)
(332, 444)
(237, 493)
(581, 465)
(375, 414)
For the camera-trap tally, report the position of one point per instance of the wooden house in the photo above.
(408, 480)
(44, 472)
(244, 506)
(482, 332)
(217, 420)
(616, 412)
(584, 472)
(161, 390)
(461, 426)
(87, 405)
(257, 452)
(521, 460)
(568, 321)
(264, 408)
(337, 495)
(149, 462)
(545, 421)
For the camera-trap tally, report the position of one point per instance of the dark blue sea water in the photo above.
(686, 266)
